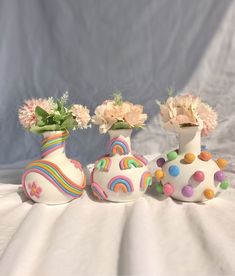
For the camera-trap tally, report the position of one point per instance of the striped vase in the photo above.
(53, 179)
(120, 175)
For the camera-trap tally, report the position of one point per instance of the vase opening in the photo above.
(190, 139)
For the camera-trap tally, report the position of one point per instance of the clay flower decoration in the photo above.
(35, 190)
(187, 110)
(118, 114)
(41, 115)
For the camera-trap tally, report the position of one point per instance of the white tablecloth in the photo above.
(152, 236)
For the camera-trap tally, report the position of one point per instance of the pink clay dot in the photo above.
(199, 176)
(168, 189)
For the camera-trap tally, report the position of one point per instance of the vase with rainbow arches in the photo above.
(53, 179)
(120, 175)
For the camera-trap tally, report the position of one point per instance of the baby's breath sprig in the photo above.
(117, 96)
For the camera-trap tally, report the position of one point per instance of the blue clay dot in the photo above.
(174, 170)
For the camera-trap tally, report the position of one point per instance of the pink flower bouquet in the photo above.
(41, 115)
(188, 110)
(118, 114)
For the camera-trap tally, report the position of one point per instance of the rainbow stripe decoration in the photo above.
(52, 143)
(103, 164)
(146, 180)
(92, 175)
(130, 162)
(141, 158)
(118, 146)
(122, 183)
(55, 176)
(98, 192)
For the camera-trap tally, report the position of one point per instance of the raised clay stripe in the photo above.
(120, 144)
(103, 164)
(52, 143)
(121, 180)
(142, 159)
(98, 192)
(129, 162)
(59, 135)
(55, 171)
(146, 180)
(48, 151)
(53, 174)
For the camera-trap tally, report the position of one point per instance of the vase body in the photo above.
(53, 179)
(120, 176)
(189, 174)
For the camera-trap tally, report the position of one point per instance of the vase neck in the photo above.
(189, 140)
(53, 143)
(120, 142)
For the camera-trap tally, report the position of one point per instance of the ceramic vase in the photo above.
(53, 179)
(189, 173)
(120, 176)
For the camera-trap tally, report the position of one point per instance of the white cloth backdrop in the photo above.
(140, 47)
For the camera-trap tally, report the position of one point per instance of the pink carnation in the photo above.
(209, 118)
(188, 109)
(27, 115)
(81, 114)
(109, 113)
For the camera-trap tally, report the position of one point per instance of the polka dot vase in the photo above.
(53, 179)
(120, 176)
(190, 174)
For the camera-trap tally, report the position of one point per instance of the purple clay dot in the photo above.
(187, 191)
(219, 176)
(160, 162)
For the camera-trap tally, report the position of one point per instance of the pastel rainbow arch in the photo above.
(54, 142)
(98, 192)
(92, 175)
(103, 164)
(142, 159)
(121, 183)
(118, 146)
(55, 176)
(146, 180)
(130, 162)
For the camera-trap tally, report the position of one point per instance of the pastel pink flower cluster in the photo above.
(109, 113)
(81, 114)
(27, 115)
(188, 109)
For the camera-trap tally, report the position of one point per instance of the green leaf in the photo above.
(120, 125)
(118, 97)
(39, 130)
(170, 91)
(41, 112)
(68, 123)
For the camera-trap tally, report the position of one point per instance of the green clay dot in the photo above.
(224, 185)
(159, 188)
(172, 155)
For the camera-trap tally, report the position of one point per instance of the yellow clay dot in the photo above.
(189, 157)
(222, 163)
(159, 174)
(209, 193)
